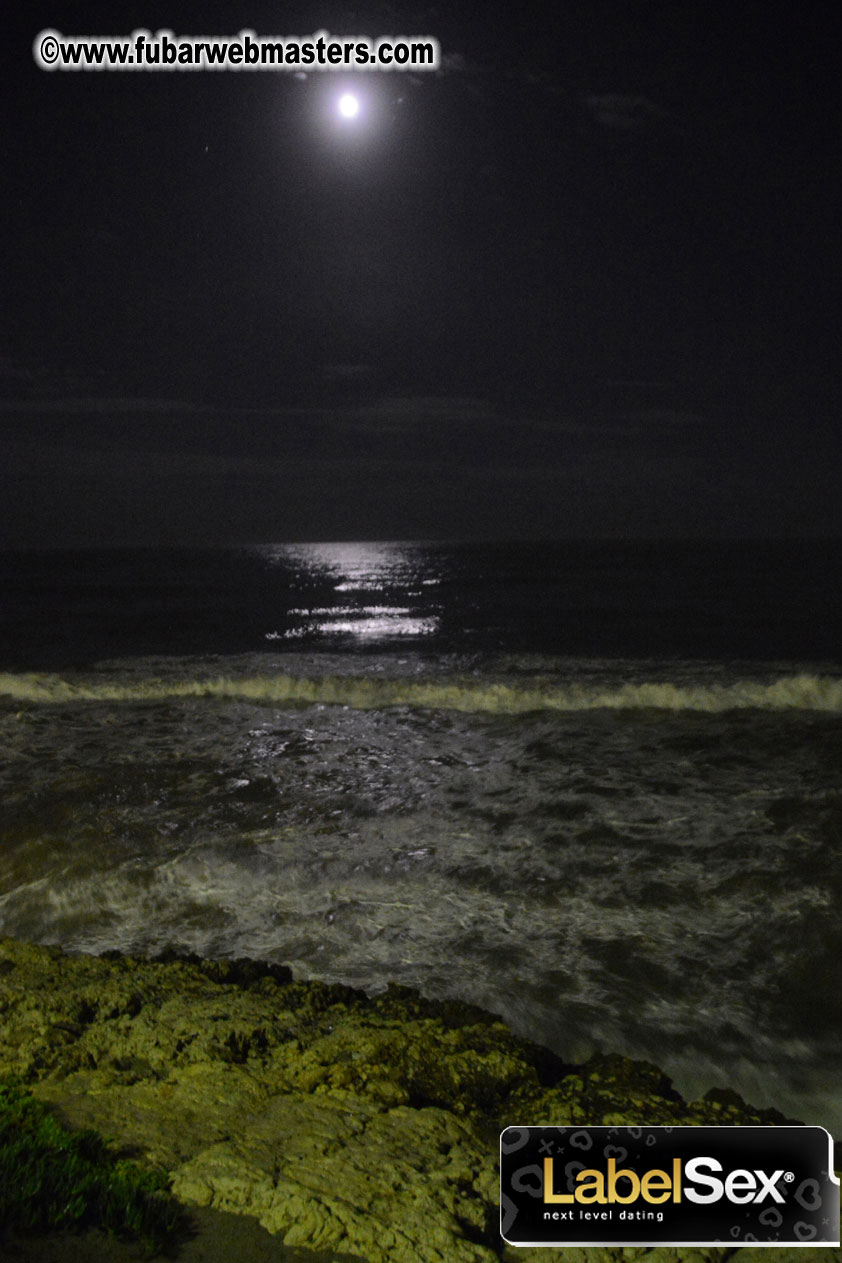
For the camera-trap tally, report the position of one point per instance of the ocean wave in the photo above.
(796, 692)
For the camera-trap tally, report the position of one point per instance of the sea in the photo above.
(594, 787)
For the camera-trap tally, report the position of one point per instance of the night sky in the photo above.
(583, 281)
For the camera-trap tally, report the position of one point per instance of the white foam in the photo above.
(792, 692)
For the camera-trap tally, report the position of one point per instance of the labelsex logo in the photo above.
(657, 1186)
(668, 1186)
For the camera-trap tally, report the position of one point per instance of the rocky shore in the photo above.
(348, 1126)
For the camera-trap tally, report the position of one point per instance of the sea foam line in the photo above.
(797, 692)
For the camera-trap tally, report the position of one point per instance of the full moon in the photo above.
(349, 106)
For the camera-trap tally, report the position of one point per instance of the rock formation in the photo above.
(366, 1126)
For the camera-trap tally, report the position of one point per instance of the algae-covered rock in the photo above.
(364, 1126)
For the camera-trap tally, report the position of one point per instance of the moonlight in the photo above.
(349, 106)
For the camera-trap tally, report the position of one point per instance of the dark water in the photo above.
(593, 787)
(772, 601)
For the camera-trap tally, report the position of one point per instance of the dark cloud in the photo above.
(627, 113)
(146, 471)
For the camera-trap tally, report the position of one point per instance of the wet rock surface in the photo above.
(360, 1126)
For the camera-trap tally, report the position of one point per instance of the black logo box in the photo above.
(726, 1186)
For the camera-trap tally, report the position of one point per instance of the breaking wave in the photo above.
(796, 692)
